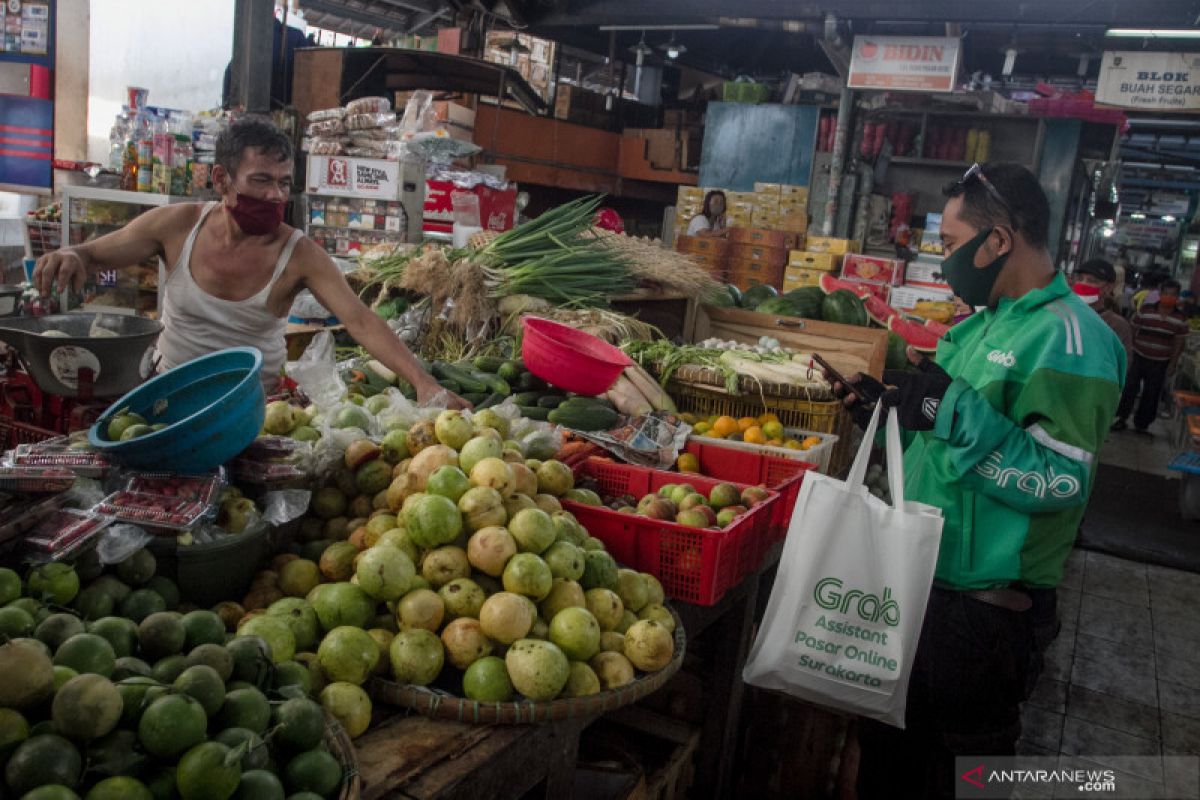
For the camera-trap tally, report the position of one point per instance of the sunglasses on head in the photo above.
(975, 173)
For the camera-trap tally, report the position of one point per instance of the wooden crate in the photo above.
(745, 274)
(762, 236)
(757, 252)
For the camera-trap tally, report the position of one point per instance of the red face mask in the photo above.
(1167, 302)
(256, 217)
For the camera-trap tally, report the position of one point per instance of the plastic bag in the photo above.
(331, 127)
(283, 506)
(120, 541)
(653, 440)
(418, 113)
(85, 493)
(356, 122)
(316, 372)
(369, 105)
(325, 147)
(326, 114)
(306, 306)
(439, 147)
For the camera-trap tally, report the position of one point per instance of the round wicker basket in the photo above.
(439, 704)
(340, 746)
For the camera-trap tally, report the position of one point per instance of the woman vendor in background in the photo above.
(711, 221)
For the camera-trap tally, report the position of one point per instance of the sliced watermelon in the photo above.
(917, 335)
(879, 311)
(940, 328)
(830, 284)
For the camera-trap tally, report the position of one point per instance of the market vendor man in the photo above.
(234, 267)
(1002, 432)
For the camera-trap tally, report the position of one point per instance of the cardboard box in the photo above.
(768, 188)
(761, 219)
(458, 120)
(877, 288)
(830, 244)
(798, 194)
(792, 207)
(794, 223)
(797, 277)
(704, 245)
(907, 296)
(745, 274)
(776, 256)
(740, 197)
(872, 268)
(805, 259)
(763, 236)
(925, 272)
(690, 194)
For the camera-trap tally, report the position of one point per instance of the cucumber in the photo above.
(509, 370)
(551, 400)
(588, 402)
(450, 386)
(465, 380)
(489, 364)
(528, 382)
(584, 419)
(475, 398)
(493, 399)
(527, 398)
(535, 412)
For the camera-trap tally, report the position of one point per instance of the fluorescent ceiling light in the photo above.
(1168, 218)
(1137, 216)
(695, 27)
(1153, 33)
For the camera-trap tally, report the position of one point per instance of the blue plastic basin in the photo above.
(213, 408)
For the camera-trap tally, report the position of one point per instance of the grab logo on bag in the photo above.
(869, 607)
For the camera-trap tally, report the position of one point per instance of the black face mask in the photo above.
(973, 284)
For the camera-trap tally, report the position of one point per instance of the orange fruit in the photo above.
(688, 462)
(773, 430)
(746, 422)
(792, 444)
(775, 442)
(770, 416)
(810, 442)
(725, 426)
(754, 435)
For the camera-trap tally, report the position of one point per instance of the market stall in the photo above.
(407, 573)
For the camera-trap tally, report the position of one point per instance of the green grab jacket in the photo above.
(1013, 450)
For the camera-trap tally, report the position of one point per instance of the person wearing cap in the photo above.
(1094, 282)
(1159, 333)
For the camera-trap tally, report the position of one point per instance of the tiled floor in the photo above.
(1149, 454)
(1122, 678)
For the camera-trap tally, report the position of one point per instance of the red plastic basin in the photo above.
(570, 359)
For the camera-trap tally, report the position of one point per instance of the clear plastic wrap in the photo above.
(35, 480)
(64, 531)
(171, 514)
(316, 372)
(389, 150)
(369, 105)
(358, 122)
(327, 128)
(120, 541)
(326, 147)
(369, 135)
(326, 114)
(204, 489)
(418, 113)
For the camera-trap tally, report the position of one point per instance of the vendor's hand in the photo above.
(917, 395)
(432, 393)
(59, 269)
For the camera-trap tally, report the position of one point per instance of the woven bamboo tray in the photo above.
(438, 704)
(817, 391)
(340, 746)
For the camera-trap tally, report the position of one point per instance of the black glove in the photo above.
(866, 390)
(917, 395)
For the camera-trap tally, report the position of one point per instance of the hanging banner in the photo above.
(904, 63)
(1150, 81)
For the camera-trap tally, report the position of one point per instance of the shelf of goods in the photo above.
(353, 204)
(90, 212)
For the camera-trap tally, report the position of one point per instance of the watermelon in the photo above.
(941, 329)
(780, 306)
(917, 335)
(756, 294)
(897, 352)
(807, 300)
(829, 284)
(844, 308)
(879, 311)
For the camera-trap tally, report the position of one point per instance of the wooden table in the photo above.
(414, 757)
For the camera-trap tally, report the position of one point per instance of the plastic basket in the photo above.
(820, 456)
(42, 237)
(209, 573)
(734, 462)
(695, 565)
(13, 433)
(828, 416)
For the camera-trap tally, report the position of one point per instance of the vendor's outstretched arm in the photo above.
(325, 281)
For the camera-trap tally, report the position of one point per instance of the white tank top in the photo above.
(196, 323)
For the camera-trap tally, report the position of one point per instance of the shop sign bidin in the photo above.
(904, 63)
(1150, 81)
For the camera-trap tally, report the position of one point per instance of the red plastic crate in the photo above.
(736, 465)
(13, 433)
(694, 565)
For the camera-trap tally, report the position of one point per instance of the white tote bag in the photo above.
(845, 615)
